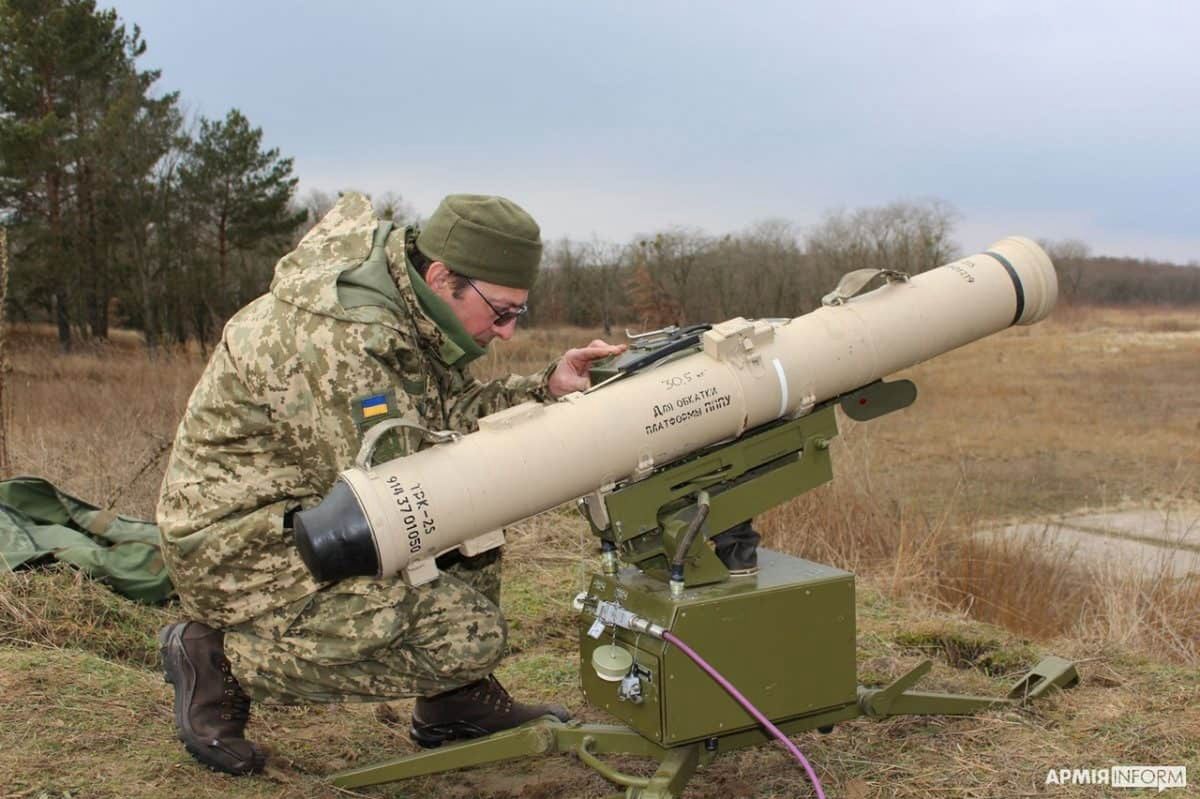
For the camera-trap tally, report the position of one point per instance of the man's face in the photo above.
(472, 307)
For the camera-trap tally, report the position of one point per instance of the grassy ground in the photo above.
(1094, 408)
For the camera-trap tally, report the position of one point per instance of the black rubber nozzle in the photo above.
(335, 539)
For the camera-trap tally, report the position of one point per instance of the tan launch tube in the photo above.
(532, 457)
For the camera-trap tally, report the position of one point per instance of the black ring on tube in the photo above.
(1012, 273)
(335, 538)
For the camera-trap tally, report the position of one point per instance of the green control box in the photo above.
(784, 637)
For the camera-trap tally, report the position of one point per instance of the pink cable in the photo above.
(751, 709)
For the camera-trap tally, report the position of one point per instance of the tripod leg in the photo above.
(673, 774)
(532, 739)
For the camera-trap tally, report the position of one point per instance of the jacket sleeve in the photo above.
(228, 486)
(476, 399)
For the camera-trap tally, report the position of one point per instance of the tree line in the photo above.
(772, 269)
(113, 203)
(683, 276)
(122, 212)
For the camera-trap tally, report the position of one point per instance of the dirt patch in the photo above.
(1150, 541)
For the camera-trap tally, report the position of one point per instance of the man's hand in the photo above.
(572, 371)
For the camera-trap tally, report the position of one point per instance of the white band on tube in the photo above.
(783, 391)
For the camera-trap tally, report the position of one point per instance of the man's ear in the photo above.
(437, 275)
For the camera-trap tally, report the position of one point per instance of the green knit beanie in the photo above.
(489, 238)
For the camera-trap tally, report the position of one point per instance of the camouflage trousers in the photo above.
(364, 640)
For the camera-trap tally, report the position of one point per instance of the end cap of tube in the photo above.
(1034, 270)
(335, 538)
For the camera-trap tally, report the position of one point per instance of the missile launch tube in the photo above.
(401, 514)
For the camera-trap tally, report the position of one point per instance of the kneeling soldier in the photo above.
(362, 323)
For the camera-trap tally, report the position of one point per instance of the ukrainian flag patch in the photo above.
(374, 407)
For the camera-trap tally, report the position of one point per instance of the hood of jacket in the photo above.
(327, 275)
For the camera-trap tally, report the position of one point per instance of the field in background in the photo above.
(1093, 409)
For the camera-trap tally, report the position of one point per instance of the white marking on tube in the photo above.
(783, 391)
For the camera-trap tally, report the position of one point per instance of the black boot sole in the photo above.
(257, 763)
(432, 736)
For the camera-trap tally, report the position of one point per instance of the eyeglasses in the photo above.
(502, 317)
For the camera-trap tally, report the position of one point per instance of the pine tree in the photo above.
(239, 194)
(145, 147)
(65, 69)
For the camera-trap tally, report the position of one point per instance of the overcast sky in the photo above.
(1047, 119)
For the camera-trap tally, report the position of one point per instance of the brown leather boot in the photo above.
(478, 709)
(211, 709)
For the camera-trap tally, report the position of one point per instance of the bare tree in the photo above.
(607, 260)
(909, 236)
(317, 203)
(672, 259)
(391, 205)
(773, 279)
(1070, 258)
(653, 304)
(568, 260)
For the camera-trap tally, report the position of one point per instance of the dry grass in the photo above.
(90, 421)
(1096, 408)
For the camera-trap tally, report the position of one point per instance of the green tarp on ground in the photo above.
(38, 522)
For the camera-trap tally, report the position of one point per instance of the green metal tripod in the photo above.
(677, 764)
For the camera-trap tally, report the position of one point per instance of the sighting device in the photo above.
(695, 640)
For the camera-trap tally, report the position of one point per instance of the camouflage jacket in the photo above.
(282, 406)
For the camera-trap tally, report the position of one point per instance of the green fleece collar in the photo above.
(371, 284)
(458, 348)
